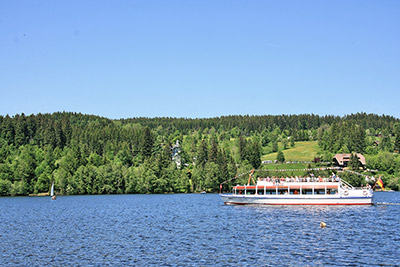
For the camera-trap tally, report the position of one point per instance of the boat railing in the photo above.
(362, 188)
(346, 185)
(297, 180)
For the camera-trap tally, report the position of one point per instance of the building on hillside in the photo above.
(175, 154)
(342, 160)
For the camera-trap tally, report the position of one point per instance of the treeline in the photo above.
(248, 125)
(85, 154)
(92, 155)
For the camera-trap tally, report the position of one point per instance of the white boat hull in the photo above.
(230, 199)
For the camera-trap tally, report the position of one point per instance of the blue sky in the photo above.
(199, 59)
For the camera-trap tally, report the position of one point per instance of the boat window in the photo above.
(239, 192)
(251, 191)
(270, 192)
(332, 191)
(319, 191)
(307, 191)
(294, 192)
(283, 191)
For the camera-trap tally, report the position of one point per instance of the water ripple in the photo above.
(194, 230)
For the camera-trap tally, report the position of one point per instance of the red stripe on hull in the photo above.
(281, 204)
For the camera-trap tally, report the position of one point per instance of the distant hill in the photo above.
(87, 154)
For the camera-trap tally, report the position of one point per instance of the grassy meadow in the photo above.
(303, 151)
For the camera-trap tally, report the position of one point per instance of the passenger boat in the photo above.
(304, 191)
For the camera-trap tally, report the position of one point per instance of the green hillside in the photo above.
(303, 151)
(88, 154)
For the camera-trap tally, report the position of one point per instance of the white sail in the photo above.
(52, 190)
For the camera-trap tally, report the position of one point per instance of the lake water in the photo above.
(194, 230)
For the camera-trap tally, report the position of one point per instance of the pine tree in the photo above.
(274, 146)
(20, 137)
(202, 156)
(164, 158)
(280, 157)
(354, 161)
(285, 143)
(213, 150)
(147, 144)
(386, 143)
(265, 138)
(8, 132)
(255, 155)
(242, 148)
(396, 147)
(292, 144)
(359, 137)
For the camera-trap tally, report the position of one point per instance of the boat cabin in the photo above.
(288, 188)
(299, 191)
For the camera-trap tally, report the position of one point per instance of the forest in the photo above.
(87, 154)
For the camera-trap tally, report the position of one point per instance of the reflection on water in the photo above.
(194, 229)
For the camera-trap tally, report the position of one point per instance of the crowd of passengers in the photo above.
(297, 179)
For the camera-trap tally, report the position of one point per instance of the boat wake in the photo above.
(387, 203)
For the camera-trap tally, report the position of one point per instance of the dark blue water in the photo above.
(194, 230)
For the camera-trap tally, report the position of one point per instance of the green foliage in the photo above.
(285, 143)
(383, 161)
(292, 143)
(280, 157)
(85, 154)
(342, 137)
(274, 146)
(386, 144)
(254, 155)
(354, 162)
(202, 153)
(243, 152)
(353, 179)
(5, 186)
(397, 137)
(147, 146)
